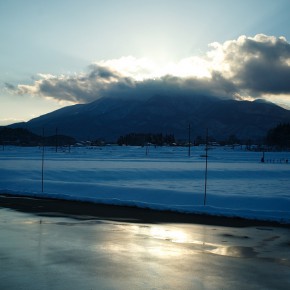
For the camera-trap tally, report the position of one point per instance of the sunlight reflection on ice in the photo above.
(235, 251)
(175, 236)
(157, 241)
(118, 255)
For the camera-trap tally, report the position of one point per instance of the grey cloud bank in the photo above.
(248, 67)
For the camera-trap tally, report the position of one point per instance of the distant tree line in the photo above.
(141, 139)
(23, 137)
(279, 136)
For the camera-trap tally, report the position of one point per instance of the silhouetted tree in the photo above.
(279, 136)
(233, 140)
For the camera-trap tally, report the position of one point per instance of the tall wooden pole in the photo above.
(189, 139)
(205, 177)
(42, 162)
(56, 139)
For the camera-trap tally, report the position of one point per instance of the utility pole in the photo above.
(42, 162)
(205, 177)
(56, 139)
(189, 139)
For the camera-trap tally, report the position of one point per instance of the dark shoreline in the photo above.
(87, 210)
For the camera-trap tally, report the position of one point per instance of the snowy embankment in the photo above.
(238, 183)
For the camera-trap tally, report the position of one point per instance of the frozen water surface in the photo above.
(49, 252)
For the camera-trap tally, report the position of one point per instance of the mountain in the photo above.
(108, 118)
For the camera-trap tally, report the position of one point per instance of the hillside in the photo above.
(23, 137)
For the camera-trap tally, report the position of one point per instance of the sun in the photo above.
(195, 67)
(141, 69)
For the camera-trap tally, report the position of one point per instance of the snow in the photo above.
(166, 178)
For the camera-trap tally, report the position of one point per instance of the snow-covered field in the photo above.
(238, 183)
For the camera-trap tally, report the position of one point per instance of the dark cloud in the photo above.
(82, 88)
(249, 66)
(101, 72)
(10, 87)
(260, 65)
(103, 82)
(263, 77)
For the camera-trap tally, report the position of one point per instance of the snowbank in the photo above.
(166, 178)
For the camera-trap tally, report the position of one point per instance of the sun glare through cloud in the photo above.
(96, 49)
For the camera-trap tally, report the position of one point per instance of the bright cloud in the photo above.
(245, 68)
(7, 121)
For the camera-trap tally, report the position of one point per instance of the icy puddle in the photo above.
(48, 252)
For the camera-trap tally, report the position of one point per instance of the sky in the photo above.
(59, 52)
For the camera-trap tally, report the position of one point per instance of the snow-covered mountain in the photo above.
(108, 118)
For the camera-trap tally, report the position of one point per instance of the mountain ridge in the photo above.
(108, 118)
